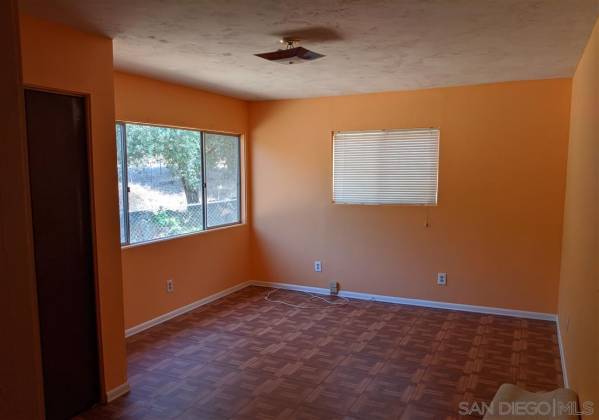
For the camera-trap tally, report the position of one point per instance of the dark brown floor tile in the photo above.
(302, 371)
(416, 412)
(333, 398)
(308, 412)
(199, 352)
(146, 385)
(324, 357)
(365, 363)
(122, 411)
(176, 400)
(437, 396)
(224, 401)
(376, 348)
(250, 381)
(195, 413)
(239, 358)
(212, 374)
(264, 408)
(348, 380)
(391, 389)
(376, 407)
(446, 377)
(142, 361)
(242, 357)
(402, 370)
(224, 340)
(176, 367)
(285, 390)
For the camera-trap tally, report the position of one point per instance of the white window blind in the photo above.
(386, 166)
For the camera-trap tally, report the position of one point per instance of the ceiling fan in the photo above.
(291, 54)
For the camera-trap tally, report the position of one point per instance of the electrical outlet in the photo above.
(334, 288)
(317, 266)
(442, 279)
(170, 286)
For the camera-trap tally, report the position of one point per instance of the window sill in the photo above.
(184, 236)
(338, 203)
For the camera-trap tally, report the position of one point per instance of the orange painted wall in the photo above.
(579, 284)
(200, 264)
(496, 230)
(60, 58)
(21, 382)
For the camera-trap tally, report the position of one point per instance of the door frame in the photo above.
(23, 398)
(88, 137)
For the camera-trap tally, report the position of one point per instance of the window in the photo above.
(175, 182)
(386, 166)
(120, 167)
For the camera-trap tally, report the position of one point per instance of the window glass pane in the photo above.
(165, 185)
(119, 169)
(222, 179)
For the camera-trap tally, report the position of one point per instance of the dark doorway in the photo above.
(64, 262)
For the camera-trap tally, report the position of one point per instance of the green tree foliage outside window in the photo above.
(180, 150)
(166, 193)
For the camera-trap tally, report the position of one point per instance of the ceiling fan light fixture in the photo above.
(291, 54)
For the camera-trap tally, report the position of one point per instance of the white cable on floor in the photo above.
(344, 301)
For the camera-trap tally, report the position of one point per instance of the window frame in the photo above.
(205, 185)
(332, 183)
(205, 227)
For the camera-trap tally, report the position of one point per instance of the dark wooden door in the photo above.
(64, 265)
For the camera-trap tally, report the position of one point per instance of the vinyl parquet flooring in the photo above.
(242, 357)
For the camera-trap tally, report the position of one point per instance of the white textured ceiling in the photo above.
(370, 45)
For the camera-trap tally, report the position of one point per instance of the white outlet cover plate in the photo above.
(317, 266)
(442, 279)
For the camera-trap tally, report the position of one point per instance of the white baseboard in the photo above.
(562, 354)
(117, 392)
(180, 311)
(349, 294)
(414, 302)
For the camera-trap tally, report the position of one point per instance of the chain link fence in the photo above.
(159, 206)
(222, 212)
(151, 225)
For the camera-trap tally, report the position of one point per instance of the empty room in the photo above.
(324, 209)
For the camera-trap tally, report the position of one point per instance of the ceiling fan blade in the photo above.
(291, 55)
(310, 34)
